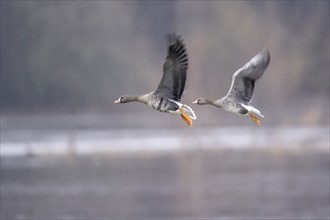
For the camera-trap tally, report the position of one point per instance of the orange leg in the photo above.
(185, 117)
(254, 118)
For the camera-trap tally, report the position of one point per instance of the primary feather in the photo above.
(243, 81)
(175, 68)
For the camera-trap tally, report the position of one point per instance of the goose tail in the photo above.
(188, 110)
(253, 109)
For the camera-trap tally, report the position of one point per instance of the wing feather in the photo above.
(175, 68)
(243, 80)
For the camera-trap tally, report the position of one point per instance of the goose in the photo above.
(167, 97)
(239, 97)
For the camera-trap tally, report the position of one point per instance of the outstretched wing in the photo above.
(175, 68)
(243, 81)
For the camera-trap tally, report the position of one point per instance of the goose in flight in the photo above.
(167, 96)
(239, 98)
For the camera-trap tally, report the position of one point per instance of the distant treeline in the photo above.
(79, 56)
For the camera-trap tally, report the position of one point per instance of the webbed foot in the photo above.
(185, 117)
(254, 118)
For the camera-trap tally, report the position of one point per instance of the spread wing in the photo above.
(175, 68)
(243, 81)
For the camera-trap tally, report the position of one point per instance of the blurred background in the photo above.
(67, 151)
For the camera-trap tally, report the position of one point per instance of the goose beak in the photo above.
(195, 102)
(117, 101)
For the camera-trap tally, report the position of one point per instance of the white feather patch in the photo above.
(187, 108)
(252, 109)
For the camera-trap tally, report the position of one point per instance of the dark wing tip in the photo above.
(266, 56)
(259, 62)
(172, 38)
(262, 58)
(177, 49)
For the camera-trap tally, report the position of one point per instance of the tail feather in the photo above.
(253, 109)
(189, 111)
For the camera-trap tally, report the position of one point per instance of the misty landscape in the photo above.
(68, 152)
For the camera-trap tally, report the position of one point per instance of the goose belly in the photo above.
(164, 105)
(236, 108)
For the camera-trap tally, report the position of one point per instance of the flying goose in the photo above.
(167, 96)
(239, 98)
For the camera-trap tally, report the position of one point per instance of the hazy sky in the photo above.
(84, 54)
